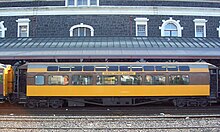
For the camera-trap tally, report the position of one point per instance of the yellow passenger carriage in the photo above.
(108, 83)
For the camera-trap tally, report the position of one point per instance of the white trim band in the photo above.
(110, 10)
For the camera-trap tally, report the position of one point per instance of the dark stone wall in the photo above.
(156, 3)
(114, 3)
(32, 4)
(111, 25)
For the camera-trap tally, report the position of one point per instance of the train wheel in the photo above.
(56, 103)
(203, 103)
(180, 103)
(32, 103)
(12, 99)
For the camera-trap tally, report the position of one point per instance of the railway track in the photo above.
(110, 123)
(93, 111)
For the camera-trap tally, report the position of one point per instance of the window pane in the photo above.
(76, 68)
(185, 79)
(100, 68)
(131, 80)
(149, 80)
(170, 26)
(64, 69)
(81, 31)
(167, 33)
(76, 80)
(88, 32)
(148, 68)
(1, 34)
(39, 80)
(160, 68)
(172, 68)
(82, 80)
(23, 31)
(124, 68)
(93, 2)
(88, 68)
(58, 80)
(141, 30)
(178, 79)
(52, 68)
(107, 80)
(82, 2)
(70, 2)
(174, 33)
(199, 31)
(75, 32)
(184, 68)
(159, 80)
(136, 68)
(113, 68)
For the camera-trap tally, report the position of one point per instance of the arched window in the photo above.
(2, 29)
(171, 28)
(81, 30)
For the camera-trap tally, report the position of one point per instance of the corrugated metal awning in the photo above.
(109, 47)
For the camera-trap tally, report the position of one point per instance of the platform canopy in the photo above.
(110, 47)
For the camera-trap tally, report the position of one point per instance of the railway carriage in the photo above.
(78, 84)
(6, 81)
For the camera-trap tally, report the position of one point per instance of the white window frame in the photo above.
(200, 22)
(218, 29)
(141, 21)
(23, 22)
(171, 21)
(2, 29)
(76, 3)
(81, 25)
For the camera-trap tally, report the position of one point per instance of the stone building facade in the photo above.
(69, 18)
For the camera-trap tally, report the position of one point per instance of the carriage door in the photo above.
(1, 82)
(213, 83)
(218, 83)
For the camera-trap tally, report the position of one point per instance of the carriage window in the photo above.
(76, 68)
(159, 80)
(172, 68)
(149, 80)
(160, 68)
(113, 68)
(39, 80)
(107, 80)
(184, 68)
(179, 79)
(64, 69)
(52, 68)
(213, 72)
(100, 68)
(81, 80)
(131, 80)
(136, 68)
(124, 68)
(148, 68)
(155, 80)
(88, 68)
(58, 80)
